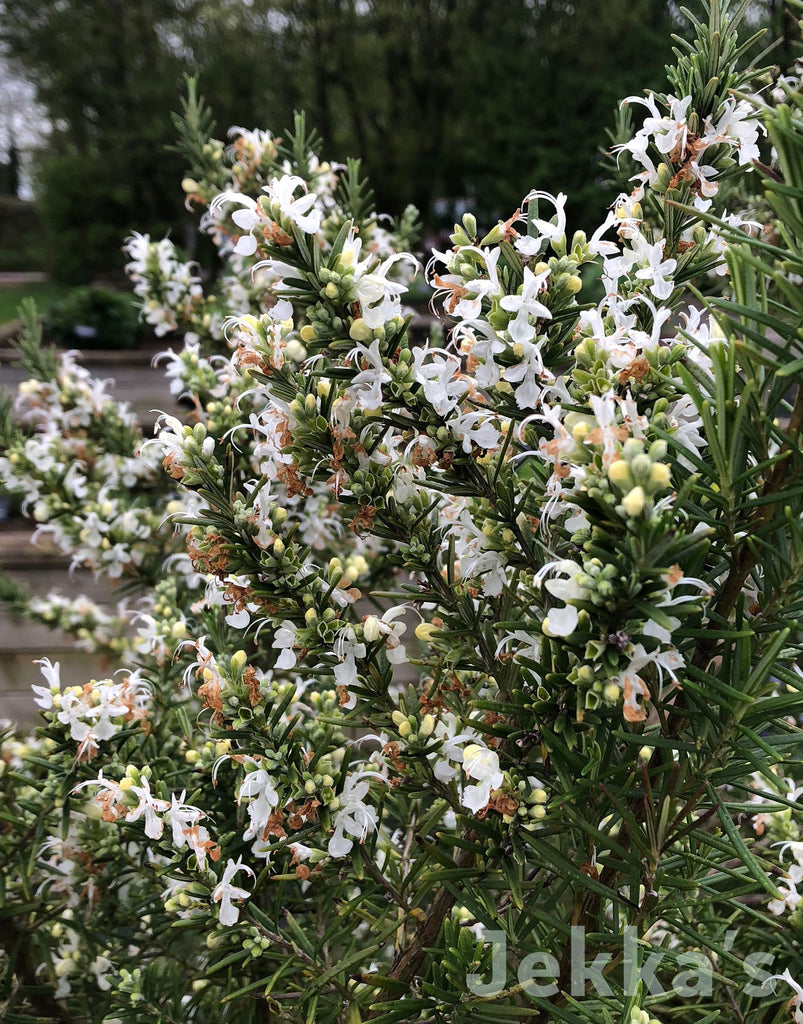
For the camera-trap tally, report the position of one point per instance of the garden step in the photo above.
(15, 278)
(42, 569)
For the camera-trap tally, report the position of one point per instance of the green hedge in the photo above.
(96, 317)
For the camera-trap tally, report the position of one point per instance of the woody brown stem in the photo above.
(409, 960)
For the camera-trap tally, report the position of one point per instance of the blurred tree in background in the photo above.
(106, 73)
(422, 90)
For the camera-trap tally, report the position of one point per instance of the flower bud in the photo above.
(370, 628)
(641, 467)
(495, 235)
(425, 631)
(619, 472)
(238, 660)
(634, 501)
(359, 330)
(660, 475)
(663, 178)
(658, 449)
(295, 351)
(427, 726)
(580, 431)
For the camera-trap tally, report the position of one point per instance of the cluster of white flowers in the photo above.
(80, 470)
(93, 625)
(170, 289)
(736, 128)
(94, 712)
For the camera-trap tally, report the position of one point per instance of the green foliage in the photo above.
(40, 361)
(95, 317)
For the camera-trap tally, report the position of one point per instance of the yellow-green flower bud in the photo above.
(359, 330)
(660, 475)
(427, 726)
(495, 235)
(619, 473)
(425, 631)
(663, 178)
(634, 501)
(370, 628)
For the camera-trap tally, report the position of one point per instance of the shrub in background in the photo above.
(95, 317)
